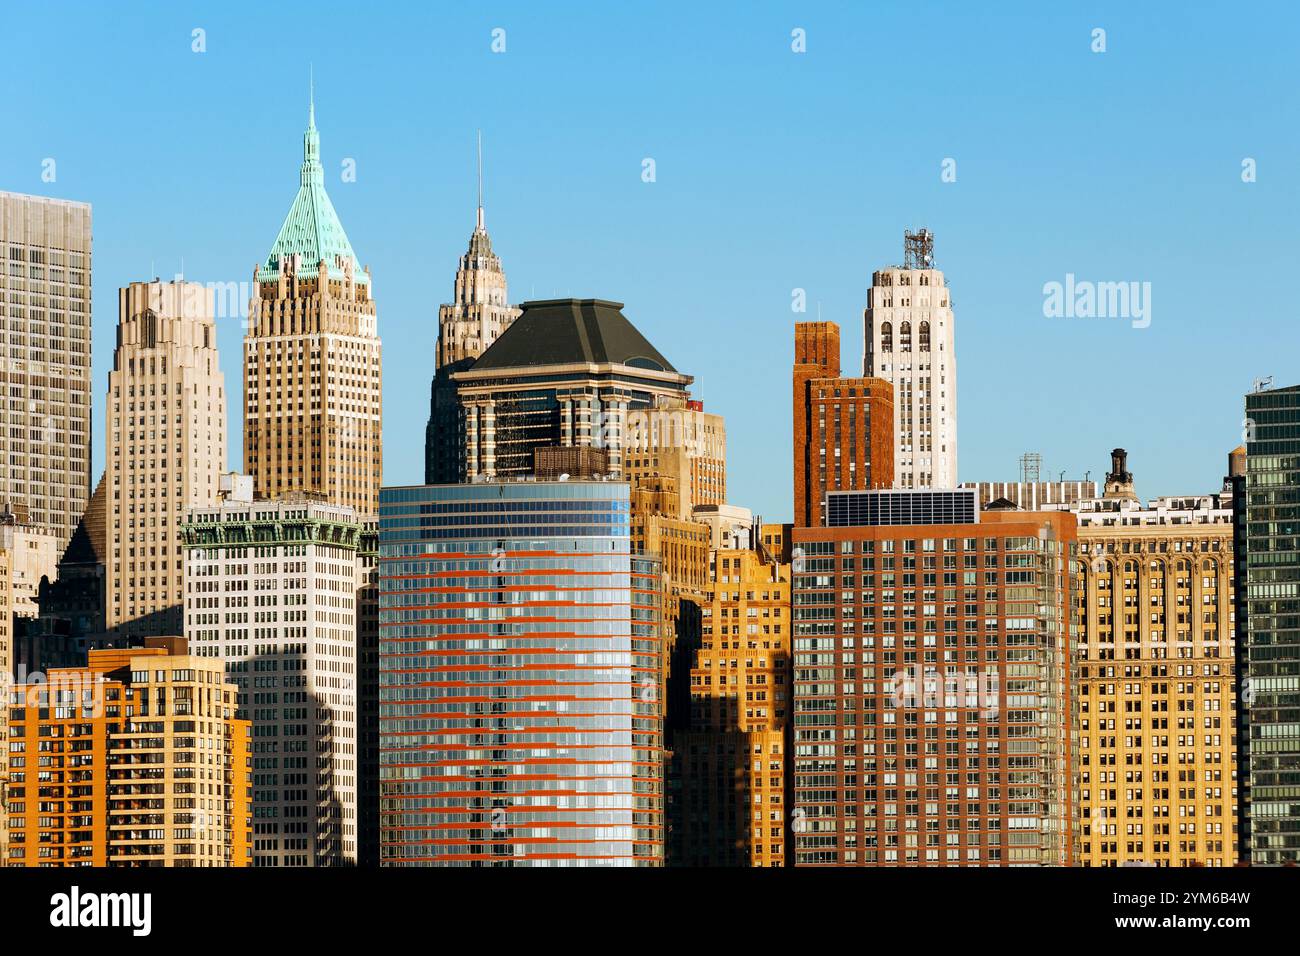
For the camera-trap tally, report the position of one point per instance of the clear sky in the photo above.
(775, 170)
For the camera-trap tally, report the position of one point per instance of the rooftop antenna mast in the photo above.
(1263, 384)
(480, 180)
(918, 249)
(1031, 465)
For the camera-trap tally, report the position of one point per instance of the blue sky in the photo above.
(775, 171)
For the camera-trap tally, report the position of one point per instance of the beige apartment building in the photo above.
(1156, 682)
(312, 371)
(45, 390)
(166, 430)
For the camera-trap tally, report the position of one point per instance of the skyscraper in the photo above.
(1156, 684)
(932, 694)
(467, 327)
(843, 427)
(1272, 657)
(166, 435)
(908, 342)
(45, 279)
(271, 590)
(312, 370)
(566, 373)
(520, 653)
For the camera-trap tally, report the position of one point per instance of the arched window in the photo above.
(925, 336)
(905, 337)
(886, 337)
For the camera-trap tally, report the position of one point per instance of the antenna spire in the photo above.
(480, 180)
(311, 96)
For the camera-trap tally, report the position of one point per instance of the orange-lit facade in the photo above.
(732, 761)
(137, 759)
(6, 668)
(1157, 683)
(843, 427)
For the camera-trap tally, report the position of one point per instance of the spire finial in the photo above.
(311, 97)
(480, 179)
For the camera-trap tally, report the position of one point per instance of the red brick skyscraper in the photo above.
(843, 427)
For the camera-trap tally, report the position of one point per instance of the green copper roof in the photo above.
(312, 228)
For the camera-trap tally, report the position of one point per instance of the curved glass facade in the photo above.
(519, 658)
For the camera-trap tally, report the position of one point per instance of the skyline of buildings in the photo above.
(479, 600)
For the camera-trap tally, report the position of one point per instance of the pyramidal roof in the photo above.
(312, 229)
(564, 331)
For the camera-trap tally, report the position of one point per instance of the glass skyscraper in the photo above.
(1271, 689)
(520, 678)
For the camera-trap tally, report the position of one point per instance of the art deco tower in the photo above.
(312, 370)
(467, 325)
(909, 343)
(166, 448)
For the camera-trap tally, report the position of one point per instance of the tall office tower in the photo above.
(34, 554)
(166, 433)
(843, 427)
(519, 647)
(368, 694)
(137, 759)
(1156, 680)
(567, 373)
(467, 327)
(1033, 495)
(909, 343)
(271, 590)
(730, 762)
(932, 696)
(45, 372)
(312, 373)
(678, 439)
(1273, 623)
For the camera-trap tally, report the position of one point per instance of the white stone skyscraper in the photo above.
(908, 342)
